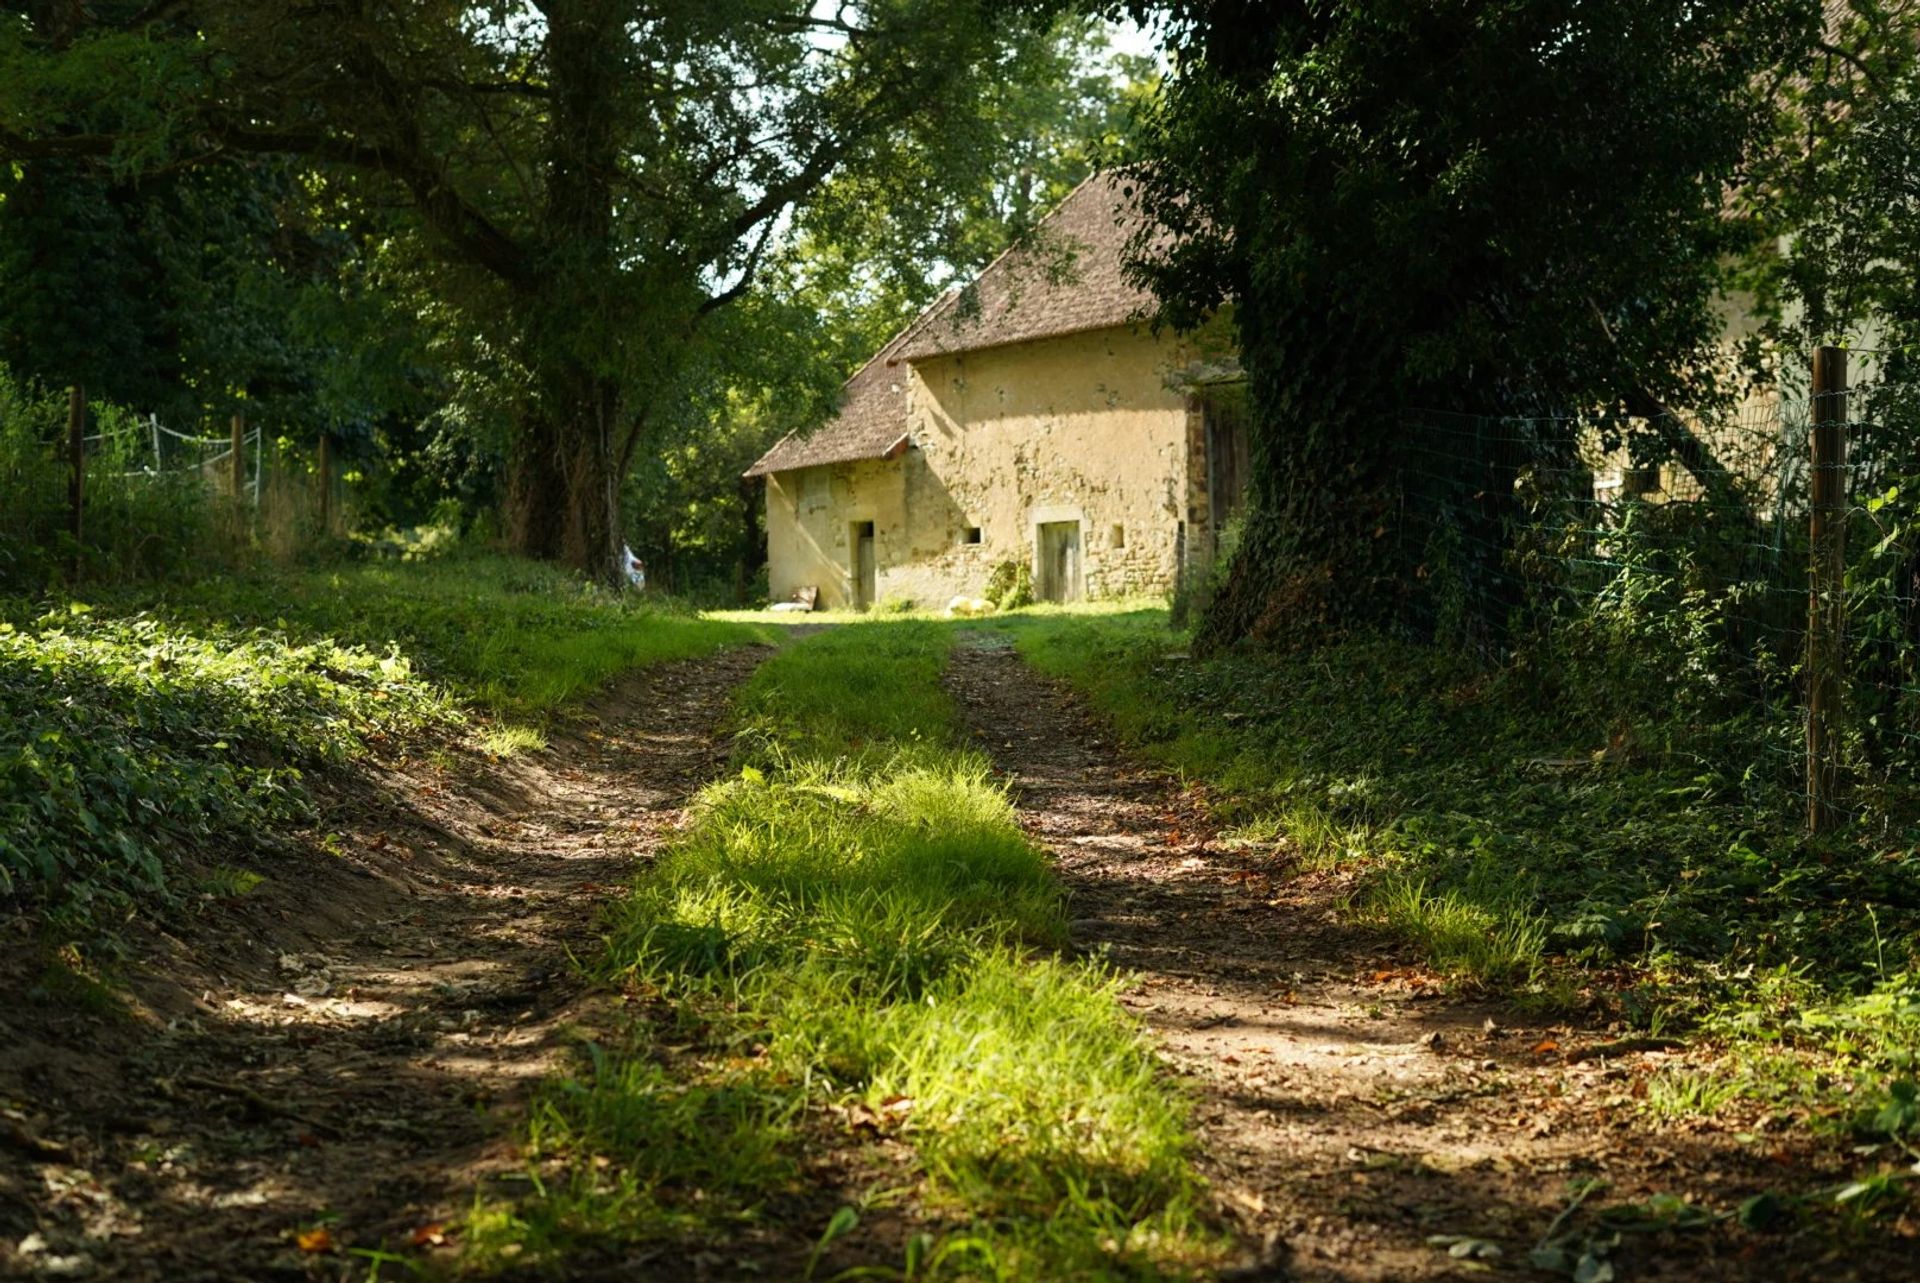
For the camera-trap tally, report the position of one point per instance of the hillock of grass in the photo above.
(514, 637)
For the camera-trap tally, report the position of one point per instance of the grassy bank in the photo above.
(143, 726)
(512, 637)
(1650, 874)
(853, 942)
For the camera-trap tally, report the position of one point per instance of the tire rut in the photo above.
(344, 1054)
(1350, 1109)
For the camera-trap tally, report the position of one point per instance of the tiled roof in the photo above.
(872, 422)
(1067, 281)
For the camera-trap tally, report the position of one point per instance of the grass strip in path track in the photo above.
(854, 927)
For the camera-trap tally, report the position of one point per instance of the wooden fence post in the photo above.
(239, 447)
(1826, 595)
(76, 467)
(326, 483)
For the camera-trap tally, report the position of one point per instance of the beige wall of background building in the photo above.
(1043, 424)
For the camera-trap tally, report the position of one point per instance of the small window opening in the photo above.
(971, 536)
(1118, 539)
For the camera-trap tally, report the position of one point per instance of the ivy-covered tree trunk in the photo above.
(1513, 209)
(1317, 554)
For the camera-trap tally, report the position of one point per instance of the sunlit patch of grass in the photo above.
(1487, 946)
(1687, 1093)
(505, 739)
(856, 920)
(626, 1150)
(512, 636)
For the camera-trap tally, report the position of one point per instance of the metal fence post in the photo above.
(1826, 596)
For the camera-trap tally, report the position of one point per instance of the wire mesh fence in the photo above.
(1668, 574)
(149, 448)
(152, 499)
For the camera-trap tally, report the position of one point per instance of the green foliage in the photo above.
(1009, 585)
(1365, 184)
(1847, 1061)
(858, 913)
(515, 637)
(1831, 199)
(162, 724)
(124, 742)
(1477, 802)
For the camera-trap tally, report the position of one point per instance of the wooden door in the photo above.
(1059, 554)
(1228, 464)
(865, 573)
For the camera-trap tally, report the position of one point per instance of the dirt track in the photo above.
(344, 1048)
(1351, 1109)
(340, 1049)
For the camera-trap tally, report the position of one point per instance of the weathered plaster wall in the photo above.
(1081, 428)
(811, 513)
(1076, 428)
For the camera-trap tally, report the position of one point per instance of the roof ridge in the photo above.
(1019, 242)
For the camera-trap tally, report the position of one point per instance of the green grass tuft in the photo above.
(855, 922)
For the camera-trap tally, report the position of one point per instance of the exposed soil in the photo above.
(343, 1048)
(1350, 1107)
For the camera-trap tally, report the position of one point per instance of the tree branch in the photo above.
(444, 209)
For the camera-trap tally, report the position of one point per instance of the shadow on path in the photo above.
(1349, 1107)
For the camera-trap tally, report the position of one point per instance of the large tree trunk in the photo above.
(563, 483)
(591, 540)
(536, 498)
(564, 492)
(1315, 558)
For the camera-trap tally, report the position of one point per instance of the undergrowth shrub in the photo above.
(125, 742)
(1619, 840)
(1009, 585)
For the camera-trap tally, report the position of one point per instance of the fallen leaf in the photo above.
(316, 1240)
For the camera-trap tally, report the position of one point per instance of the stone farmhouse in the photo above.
(1035, 418)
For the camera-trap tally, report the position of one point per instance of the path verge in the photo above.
(322, 1068)
(1360, 1120)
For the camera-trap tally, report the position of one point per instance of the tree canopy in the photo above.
(573, 190)
(1508, 207)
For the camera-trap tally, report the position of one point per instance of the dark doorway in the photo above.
(1058, 577)
(864, 571)
(1228, 464)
